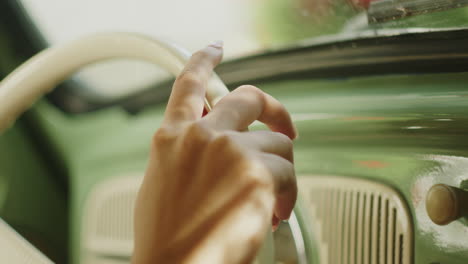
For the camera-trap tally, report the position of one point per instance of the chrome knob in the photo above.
(445, 204)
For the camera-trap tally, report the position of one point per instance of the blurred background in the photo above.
(247, 27)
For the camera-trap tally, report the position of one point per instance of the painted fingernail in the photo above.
(296, 133)
(216, 44)
(275, 221)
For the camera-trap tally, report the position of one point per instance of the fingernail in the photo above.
(274, 223)
(216, 44)
(296, 133)
(274, 228)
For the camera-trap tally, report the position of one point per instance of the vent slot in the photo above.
(115, 217)
(361, 221)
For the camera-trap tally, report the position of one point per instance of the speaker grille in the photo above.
(357, 221)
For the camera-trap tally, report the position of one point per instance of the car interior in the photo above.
(376, 88)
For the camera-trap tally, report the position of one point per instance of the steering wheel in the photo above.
(44, 71)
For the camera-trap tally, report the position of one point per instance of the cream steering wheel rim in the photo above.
(44, 71)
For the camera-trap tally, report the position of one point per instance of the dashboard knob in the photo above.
(445, 204)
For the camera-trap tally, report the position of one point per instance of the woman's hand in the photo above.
(211, 188)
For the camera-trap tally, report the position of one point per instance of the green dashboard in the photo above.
(397, 130)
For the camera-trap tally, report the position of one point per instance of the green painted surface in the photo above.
(284, 22)
(405, 131)
(29, 198)
(457, 17)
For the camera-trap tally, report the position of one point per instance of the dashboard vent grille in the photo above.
(357, 221)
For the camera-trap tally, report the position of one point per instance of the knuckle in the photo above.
(188, 79)
(222, 141)
(257, 174)
(162, 136)
(250, 89)
(284, 140)
(259, 181)
(181, 113)
(224, 155)
(255, 242)
(253, 92)
(197, 131)
(223, 147)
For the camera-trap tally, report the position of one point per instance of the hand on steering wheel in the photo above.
(211, 187)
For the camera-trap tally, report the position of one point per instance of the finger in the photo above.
(188, 92)
(237, 110)
(265, 141)
(284, 182)
(275, 222)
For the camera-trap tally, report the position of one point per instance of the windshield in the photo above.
(245, 26)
